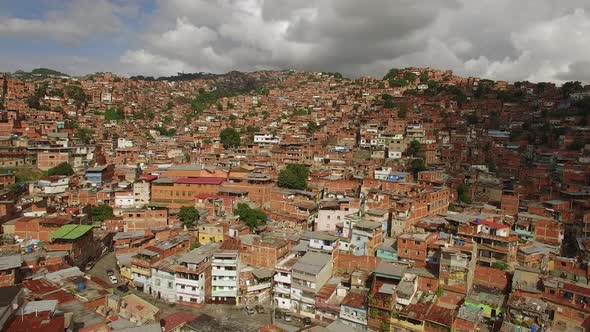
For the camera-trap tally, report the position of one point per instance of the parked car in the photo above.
(306, 321)
(249, 310)
(123, 288)
(113, 279)
(259, 309)
(288, 317)
(110, 272)
(278, 314)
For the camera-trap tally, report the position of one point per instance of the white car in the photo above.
(113, 280)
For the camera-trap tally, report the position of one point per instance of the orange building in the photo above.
(49, 159)
(181, 192)
(39, 228)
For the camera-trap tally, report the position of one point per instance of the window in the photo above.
(169, 284)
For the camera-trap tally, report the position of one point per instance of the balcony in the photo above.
(259, 287)
(224, 293)
(218, 282)
(283, 279)
(225, 262)
(282, 290)
(224, 273)
(189, 282)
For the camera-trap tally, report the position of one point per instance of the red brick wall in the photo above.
(492, 278)
(347, 263)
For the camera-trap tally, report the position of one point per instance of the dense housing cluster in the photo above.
(422, 201)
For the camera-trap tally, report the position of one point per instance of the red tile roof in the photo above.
(40, 322)
(40, 286)
(61, 296)
(440, 315)
(355, 299)
(176, 319)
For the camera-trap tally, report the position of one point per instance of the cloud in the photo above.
(536, 40)
(79, 21)
(335, 35)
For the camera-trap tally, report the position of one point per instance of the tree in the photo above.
(230, 138)
(414, 148)
(188, 215)
(403, 112)
(85, 134)
(61, 169)
(388, 103)
(577, 144)
(463, 193)
(115, 114)
(294, 176)
(312, 127)
(251, 217)
(101, 212)
(76, 93)
(472, 119)
(500, 265)
(391, 74)
(418, 165)
(424, 77)
(570, 87)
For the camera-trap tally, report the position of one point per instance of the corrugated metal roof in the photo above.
(71, 232)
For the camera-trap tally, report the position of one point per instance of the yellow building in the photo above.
(210, 233)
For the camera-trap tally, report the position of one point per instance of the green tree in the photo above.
(414, 148)
(418, 165)
(101, 212)
(76, 93)
(388, 103)
(570, 87)
(294, 176)
(403, 112)
(391, 74)
(61, 169)
(251, 217)
(229, 137)
(188, 215)
(312, 127)
(500, 265)
(115, 114)
(424, 77)
(463, 193)
(85, 134)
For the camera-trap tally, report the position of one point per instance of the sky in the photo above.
(534, 40)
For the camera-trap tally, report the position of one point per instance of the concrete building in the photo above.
(309, 275)
(225, 273)
(194, 275)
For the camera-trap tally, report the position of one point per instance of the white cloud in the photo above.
(81, 19)
(535, 40)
